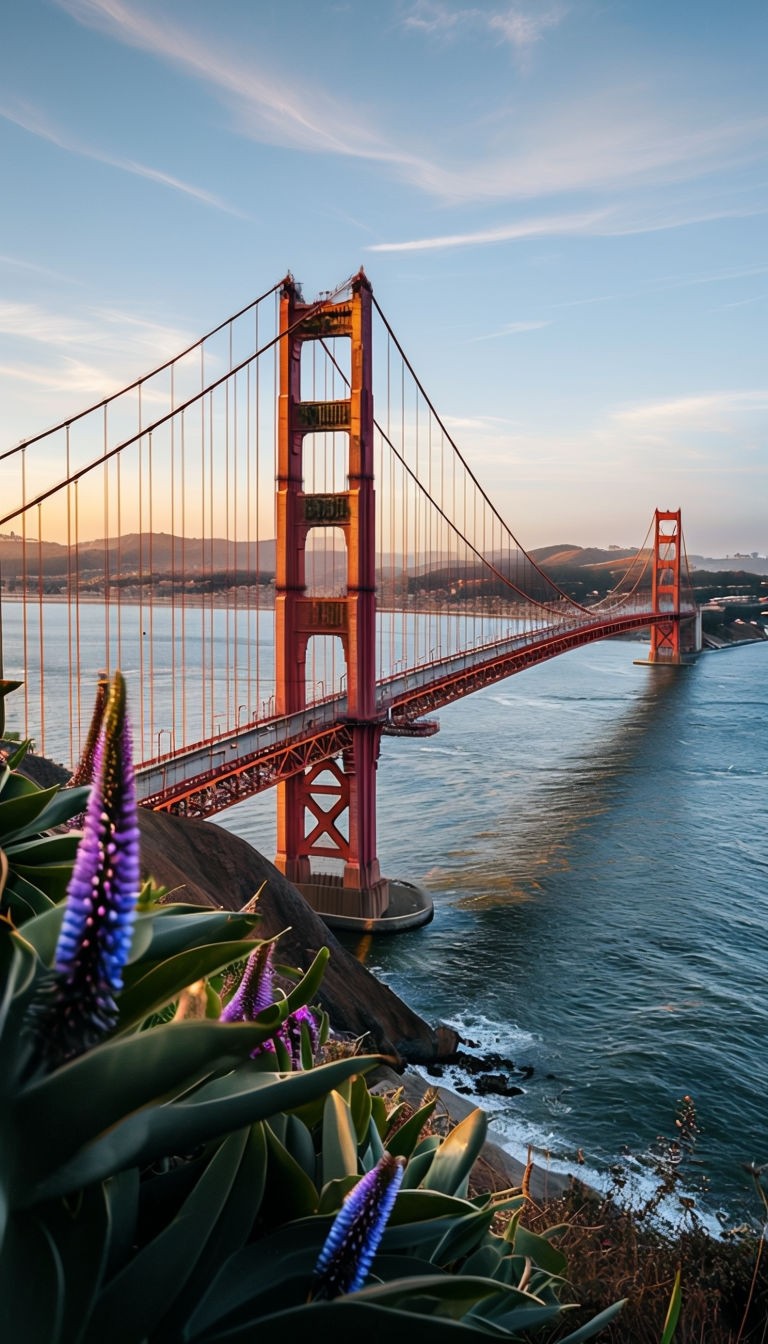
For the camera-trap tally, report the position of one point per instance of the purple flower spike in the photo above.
(346, 1257)
(97, 930)
(256, 989)
(290, 1033)
(85, 769)
(256, 992)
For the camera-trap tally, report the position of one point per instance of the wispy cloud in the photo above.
(512, 329)
(711, 411)
(621, 136)
(266, 104)
(20, 264)
(71, 377)
(491, 423)
(522, 26)
(102, 329)
(29, 322)
(544, 227)
(610, 222)
(32, 120)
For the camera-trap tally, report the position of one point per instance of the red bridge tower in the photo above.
(330, 810)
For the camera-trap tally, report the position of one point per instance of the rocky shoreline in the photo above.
(202, 864)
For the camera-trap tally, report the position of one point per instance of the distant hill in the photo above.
(567, 554)
(162, 553)
(734, 564)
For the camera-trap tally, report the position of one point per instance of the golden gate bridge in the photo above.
(283, 548)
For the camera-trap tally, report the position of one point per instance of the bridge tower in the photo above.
(316, 808)
(665, 593)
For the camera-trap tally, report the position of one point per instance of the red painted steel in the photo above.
(305, 826)
(665, 594)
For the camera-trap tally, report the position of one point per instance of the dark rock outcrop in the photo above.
(202, 864)
(206, 865)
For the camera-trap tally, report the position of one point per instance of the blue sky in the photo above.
(561, 205)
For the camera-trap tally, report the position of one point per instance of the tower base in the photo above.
(681, 660)
(391, 906)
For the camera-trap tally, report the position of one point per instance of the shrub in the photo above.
(171, 1180)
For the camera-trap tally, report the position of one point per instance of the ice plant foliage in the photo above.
(96, 933)
(256, 992)
(343, 1263)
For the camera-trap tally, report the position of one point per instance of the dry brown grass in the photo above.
(612, 1254)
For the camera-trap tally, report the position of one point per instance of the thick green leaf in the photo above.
(97, 1090)
(164, 981)
(673, 1312)
(594, 1326)
(419, 1165)
(463, 1237)
(135, 1301)
(540, 1250)
(348, 1321)
(52, 878)
(231, 1232)
(17, 756)
(176, 928)
(379, 1113)
(513, 1318)
(306, 1051)
(257, 1269)
(42, 933)
(23, 895)
(290, 1193)
(57, 806)
(339, 1147)
(20, 970)
(298, 1141)
(17, 812)
(374, 1149)
(457, 1155)
(80, 1229)
(31, 1283)
(308, 986)
(14, 785)
(404, 1139)
(44, 849)
(453, 1294)
(484, 1261)
(333, 1194)
(157, 1131)
(66, 804)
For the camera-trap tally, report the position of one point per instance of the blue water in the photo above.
(591, 833)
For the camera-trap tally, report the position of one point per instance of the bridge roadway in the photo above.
(209, 776)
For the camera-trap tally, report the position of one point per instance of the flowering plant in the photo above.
(181, 1181)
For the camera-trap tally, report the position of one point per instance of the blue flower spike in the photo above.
(343, 1264)
(256, 992)
(96, 934)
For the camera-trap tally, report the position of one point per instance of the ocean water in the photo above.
(592, 835)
